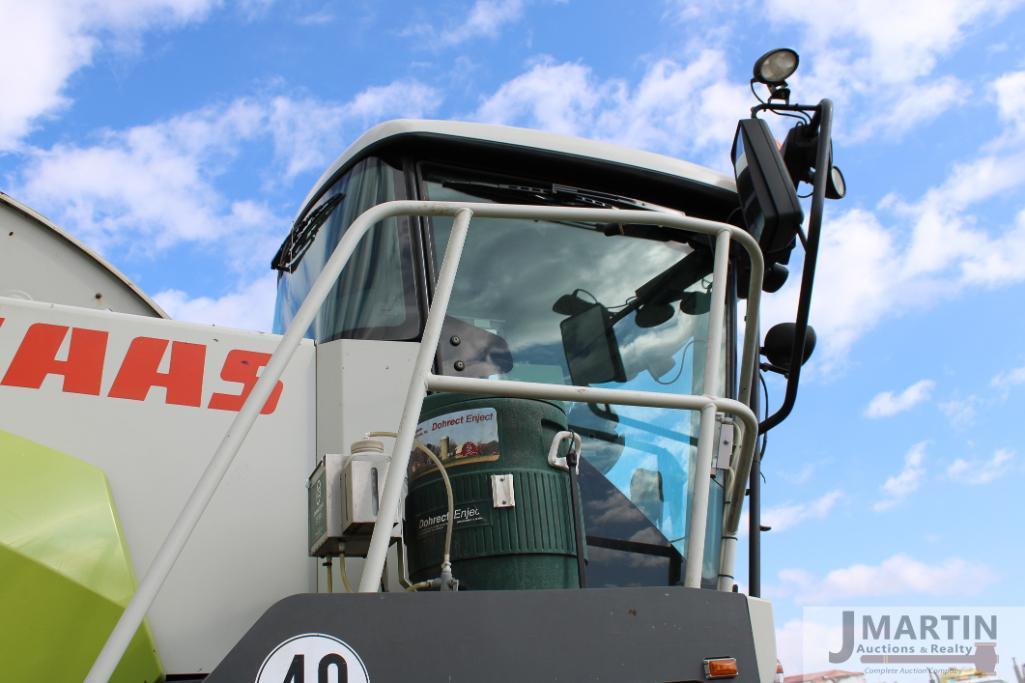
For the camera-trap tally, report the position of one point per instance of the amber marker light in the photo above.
(720, 667)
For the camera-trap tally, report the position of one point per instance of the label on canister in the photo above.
(459, 438)
(469, 514)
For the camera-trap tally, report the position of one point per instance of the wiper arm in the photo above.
(562, 195)
(546, 194)
(302, 235)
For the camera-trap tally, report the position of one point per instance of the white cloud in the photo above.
(44, 42)
(160, 182)
(802, 475)
(915, 105)
(319, 18)
(1009, 90)
(561, 98)
(154, 182)
(899, 486)
(899, 575)
(309, 133)
(961, 411)
(887, 404)
(248, 307)
(803, 645)
(1010, 378)
(674, 108)
(400, 98)
(486, 18)
(854, 288)
(981, 471)
(998, 261)
(895, 43)
(789, 515)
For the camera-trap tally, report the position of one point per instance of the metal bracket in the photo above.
(724, 443)
(553, 451)
(503, 491)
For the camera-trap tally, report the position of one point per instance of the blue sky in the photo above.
(179, 136)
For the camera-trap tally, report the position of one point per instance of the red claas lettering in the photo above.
(81, 366)
(36, 358)
(241, 366)
(139, 371)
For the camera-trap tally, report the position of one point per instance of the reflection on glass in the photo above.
(374, 298)
(630, 312)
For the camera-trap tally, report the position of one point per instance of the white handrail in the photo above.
(222, 458)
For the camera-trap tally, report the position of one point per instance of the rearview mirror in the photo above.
(592, 351)
(768, 199)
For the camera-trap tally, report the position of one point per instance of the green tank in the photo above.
(505, 537)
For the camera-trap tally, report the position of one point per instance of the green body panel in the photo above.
(65, 573)
(528, 546)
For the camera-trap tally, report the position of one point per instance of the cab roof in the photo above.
(521, 138)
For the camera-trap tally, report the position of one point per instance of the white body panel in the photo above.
(764, 633)
(249, 549)
(41, 262)
(550, 143)
(361, 387)
(368, 378)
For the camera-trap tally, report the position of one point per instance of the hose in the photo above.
(344, 574)
(419, 585)
(446, 562)
(450, 520)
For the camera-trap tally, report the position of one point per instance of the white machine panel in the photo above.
(152, 429)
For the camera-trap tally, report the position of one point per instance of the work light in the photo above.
(776, 66)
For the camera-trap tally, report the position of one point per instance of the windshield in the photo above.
(615, 306)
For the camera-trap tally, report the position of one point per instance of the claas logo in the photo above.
(139, 372)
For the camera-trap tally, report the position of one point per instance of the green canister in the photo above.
(513, 511)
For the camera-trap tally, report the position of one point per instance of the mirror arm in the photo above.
(824, 114)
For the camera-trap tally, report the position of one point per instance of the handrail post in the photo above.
(370, 580)
(698, 513)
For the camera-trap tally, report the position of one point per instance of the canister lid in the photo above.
(366, 446)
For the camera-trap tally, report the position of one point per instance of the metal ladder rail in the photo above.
(134, 613)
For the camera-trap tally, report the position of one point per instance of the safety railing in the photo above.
(423, 380)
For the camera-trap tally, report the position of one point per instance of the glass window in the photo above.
(375, 297)
(605, 305)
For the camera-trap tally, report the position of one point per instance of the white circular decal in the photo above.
(313, 658)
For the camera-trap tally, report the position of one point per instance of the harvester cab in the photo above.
(530, 415)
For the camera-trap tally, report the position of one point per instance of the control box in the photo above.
(344, 497)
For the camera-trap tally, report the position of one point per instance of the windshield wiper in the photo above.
(302, 235)
(546, 194)
(567, 195)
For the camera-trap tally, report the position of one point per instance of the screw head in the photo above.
(455, 340)
(460, 365)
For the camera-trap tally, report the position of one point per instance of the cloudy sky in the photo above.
(178, 137)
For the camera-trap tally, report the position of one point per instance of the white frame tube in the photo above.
(373, 566)
(698, 503)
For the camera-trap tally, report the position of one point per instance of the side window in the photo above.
(375, 297)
